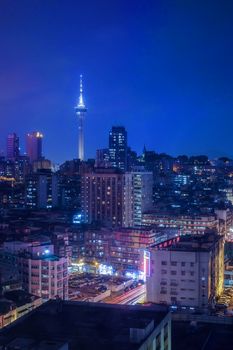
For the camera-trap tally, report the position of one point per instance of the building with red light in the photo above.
(186, 271)
(127, 246)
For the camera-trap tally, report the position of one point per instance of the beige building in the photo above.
(186, 271)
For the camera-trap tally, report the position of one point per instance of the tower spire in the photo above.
(80, 110)
(81, 102)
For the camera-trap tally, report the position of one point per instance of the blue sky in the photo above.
(163, 69)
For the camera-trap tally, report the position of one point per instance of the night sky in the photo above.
(163, 69)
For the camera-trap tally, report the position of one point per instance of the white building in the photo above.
(137, 197)
(186, 271)
(43, 273)
(46, 277)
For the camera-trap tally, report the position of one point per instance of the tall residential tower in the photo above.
(34, 146)
(12, 147)
(81, 110)
(118, 147)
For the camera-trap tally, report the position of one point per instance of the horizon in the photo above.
(23, 150)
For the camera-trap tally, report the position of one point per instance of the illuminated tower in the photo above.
(81, 111)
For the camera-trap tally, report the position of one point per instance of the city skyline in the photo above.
(167, 76)
(116, 174)
(23, 151)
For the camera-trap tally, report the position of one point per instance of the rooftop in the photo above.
(83, 325)
(20, 297)
(15, 298)
(190, 243)
(201, 336)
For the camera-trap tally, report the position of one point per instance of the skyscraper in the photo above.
(81, 110)
(138, 192)
(118, 147)
(102, 158)
(41, 190)
(101, 197)
(34, 145)
(12, 146)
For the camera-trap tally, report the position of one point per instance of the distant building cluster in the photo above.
(115, 208)
(153, 221)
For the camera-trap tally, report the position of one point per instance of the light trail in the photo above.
(131, 297)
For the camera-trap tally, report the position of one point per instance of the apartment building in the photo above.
(186, 271)
(186, 224)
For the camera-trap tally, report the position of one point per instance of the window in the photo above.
(163, 262)
(182, 263)
(163, 291)
(163, 283)
(164, 272)
(183, 273)
(173, 292)
(173, 272)
(173, 263)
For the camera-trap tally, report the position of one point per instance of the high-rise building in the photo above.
(22, 168)
(41, 190)
(102, 158)
(34, 145)
(186, 271)
(81, 110)
(118, 147)
(12, 147)
(114, 198)
(101, 196)
(137, 199)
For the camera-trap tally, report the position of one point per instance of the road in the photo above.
(131, 297)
